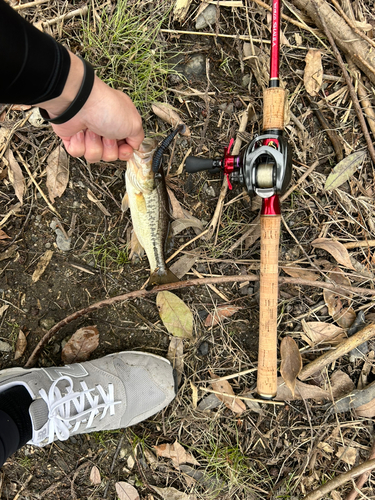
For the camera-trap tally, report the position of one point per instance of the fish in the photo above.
(147, 198)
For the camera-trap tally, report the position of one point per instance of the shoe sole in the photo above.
(18, 370)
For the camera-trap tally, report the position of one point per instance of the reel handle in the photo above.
(196, 164)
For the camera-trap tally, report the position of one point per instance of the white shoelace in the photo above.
(62, 410)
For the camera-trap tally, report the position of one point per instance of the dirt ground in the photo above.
(268, 451)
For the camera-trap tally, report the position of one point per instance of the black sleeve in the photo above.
(33, 66)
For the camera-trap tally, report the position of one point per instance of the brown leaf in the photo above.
(171, 493)
(222, 311)
(81, 344)
(341, 384)
(317, 332)
(95, 476)
(169, 115)
(226, 391)
(15, 175)
(57, 172)
(176, 356)
(336, 249)
(176, 453)
(291, 362)
(347, 454)
(126, 491)
(302, 391)
(21, 345)
(367, 410)
(42, 265)
(344, 316)
(313, 75)
(3, 235)
(300, 272)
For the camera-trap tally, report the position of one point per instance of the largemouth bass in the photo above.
(147, 198)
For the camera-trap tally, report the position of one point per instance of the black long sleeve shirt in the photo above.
(33, 66)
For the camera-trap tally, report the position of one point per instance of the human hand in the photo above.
(108, 127)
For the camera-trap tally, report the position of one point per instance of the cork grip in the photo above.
(269, 272)
(273, 108)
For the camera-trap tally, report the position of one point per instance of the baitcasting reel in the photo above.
(265, 168)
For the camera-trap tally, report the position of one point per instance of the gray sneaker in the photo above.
(113, 392)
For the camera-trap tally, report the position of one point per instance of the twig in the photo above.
(287, 18)
(37, 185)
(65, 17)
(22, 6)
(177, 286)
(246, 38)
(359, 244)
(213, 288)
(186, 245)
(346, 346)
(338, 481)
(352, 495)
(352, 25)
(353, 95)
(365, 63)
(300, 180)
(218, 209)
(244, 398)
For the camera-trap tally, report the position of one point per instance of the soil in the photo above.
(278, 445)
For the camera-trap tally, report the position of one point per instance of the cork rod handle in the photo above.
(269, 272)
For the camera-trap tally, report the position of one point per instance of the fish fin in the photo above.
(125, 203)
(136, 249)
(140, 203)
(159, 278)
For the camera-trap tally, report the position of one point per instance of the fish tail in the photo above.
(162, 277)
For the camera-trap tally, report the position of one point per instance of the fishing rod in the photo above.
(265, 168)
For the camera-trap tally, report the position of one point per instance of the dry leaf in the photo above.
(226, 393)
(313, 75)
(335, 495)
(176, 356)
(169, 115)
(176, 453)
(9, 253)
(367, 410)
(302, 391)
(344, 170)
(42, 265)
(325, 447)
(15, 175)
(317, 332)
(291, 362)
(81, 344)
(126, 491)
(181, 224)
(222, 311)
(300, 272)
(95, 476)
(341, 384)
(183, 265)
(57, 173)
(173, 494)
(175, 314)
(3, 235)
(344, 316)
(3, 309)
(21, 345)
(347, 454)
(177, 212)
(336, 249)
(356, 399)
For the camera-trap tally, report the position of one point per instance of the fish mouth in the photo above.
(139, 167)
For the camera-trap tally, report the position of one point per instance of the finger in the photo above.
(137, 136)
(93, 147)
(125, 151)
(75, 145)
(110, 150)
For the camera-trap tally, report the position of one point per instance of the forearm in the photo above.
(33, 66)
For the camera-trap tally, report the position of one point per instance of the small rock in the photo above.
(227, 107)
(62, 242)
(5, 347)
(47, 323)
(36, 118)
(246, 81)
(209, 190)
(203, 349)
(48, 244)
(196, 65)
(209, 403)
(206, 18)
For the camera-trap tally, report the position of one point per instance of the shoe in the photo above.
(109, 393)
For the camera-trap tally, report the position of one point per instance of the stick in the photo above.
(177, 286)
(69, 15)
(352, 495)
(243, 398)
(29, 4)
(359, 244)
(353, 95)
(246, 38)
(346, 346)
(340, 480)
(352, 25)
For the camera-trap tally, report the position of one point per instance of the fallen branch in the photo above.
(29, 4)
(65, 17)
(177, 286)
(338, 481)
(346, 346)
(346, 38)
(352, 93)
